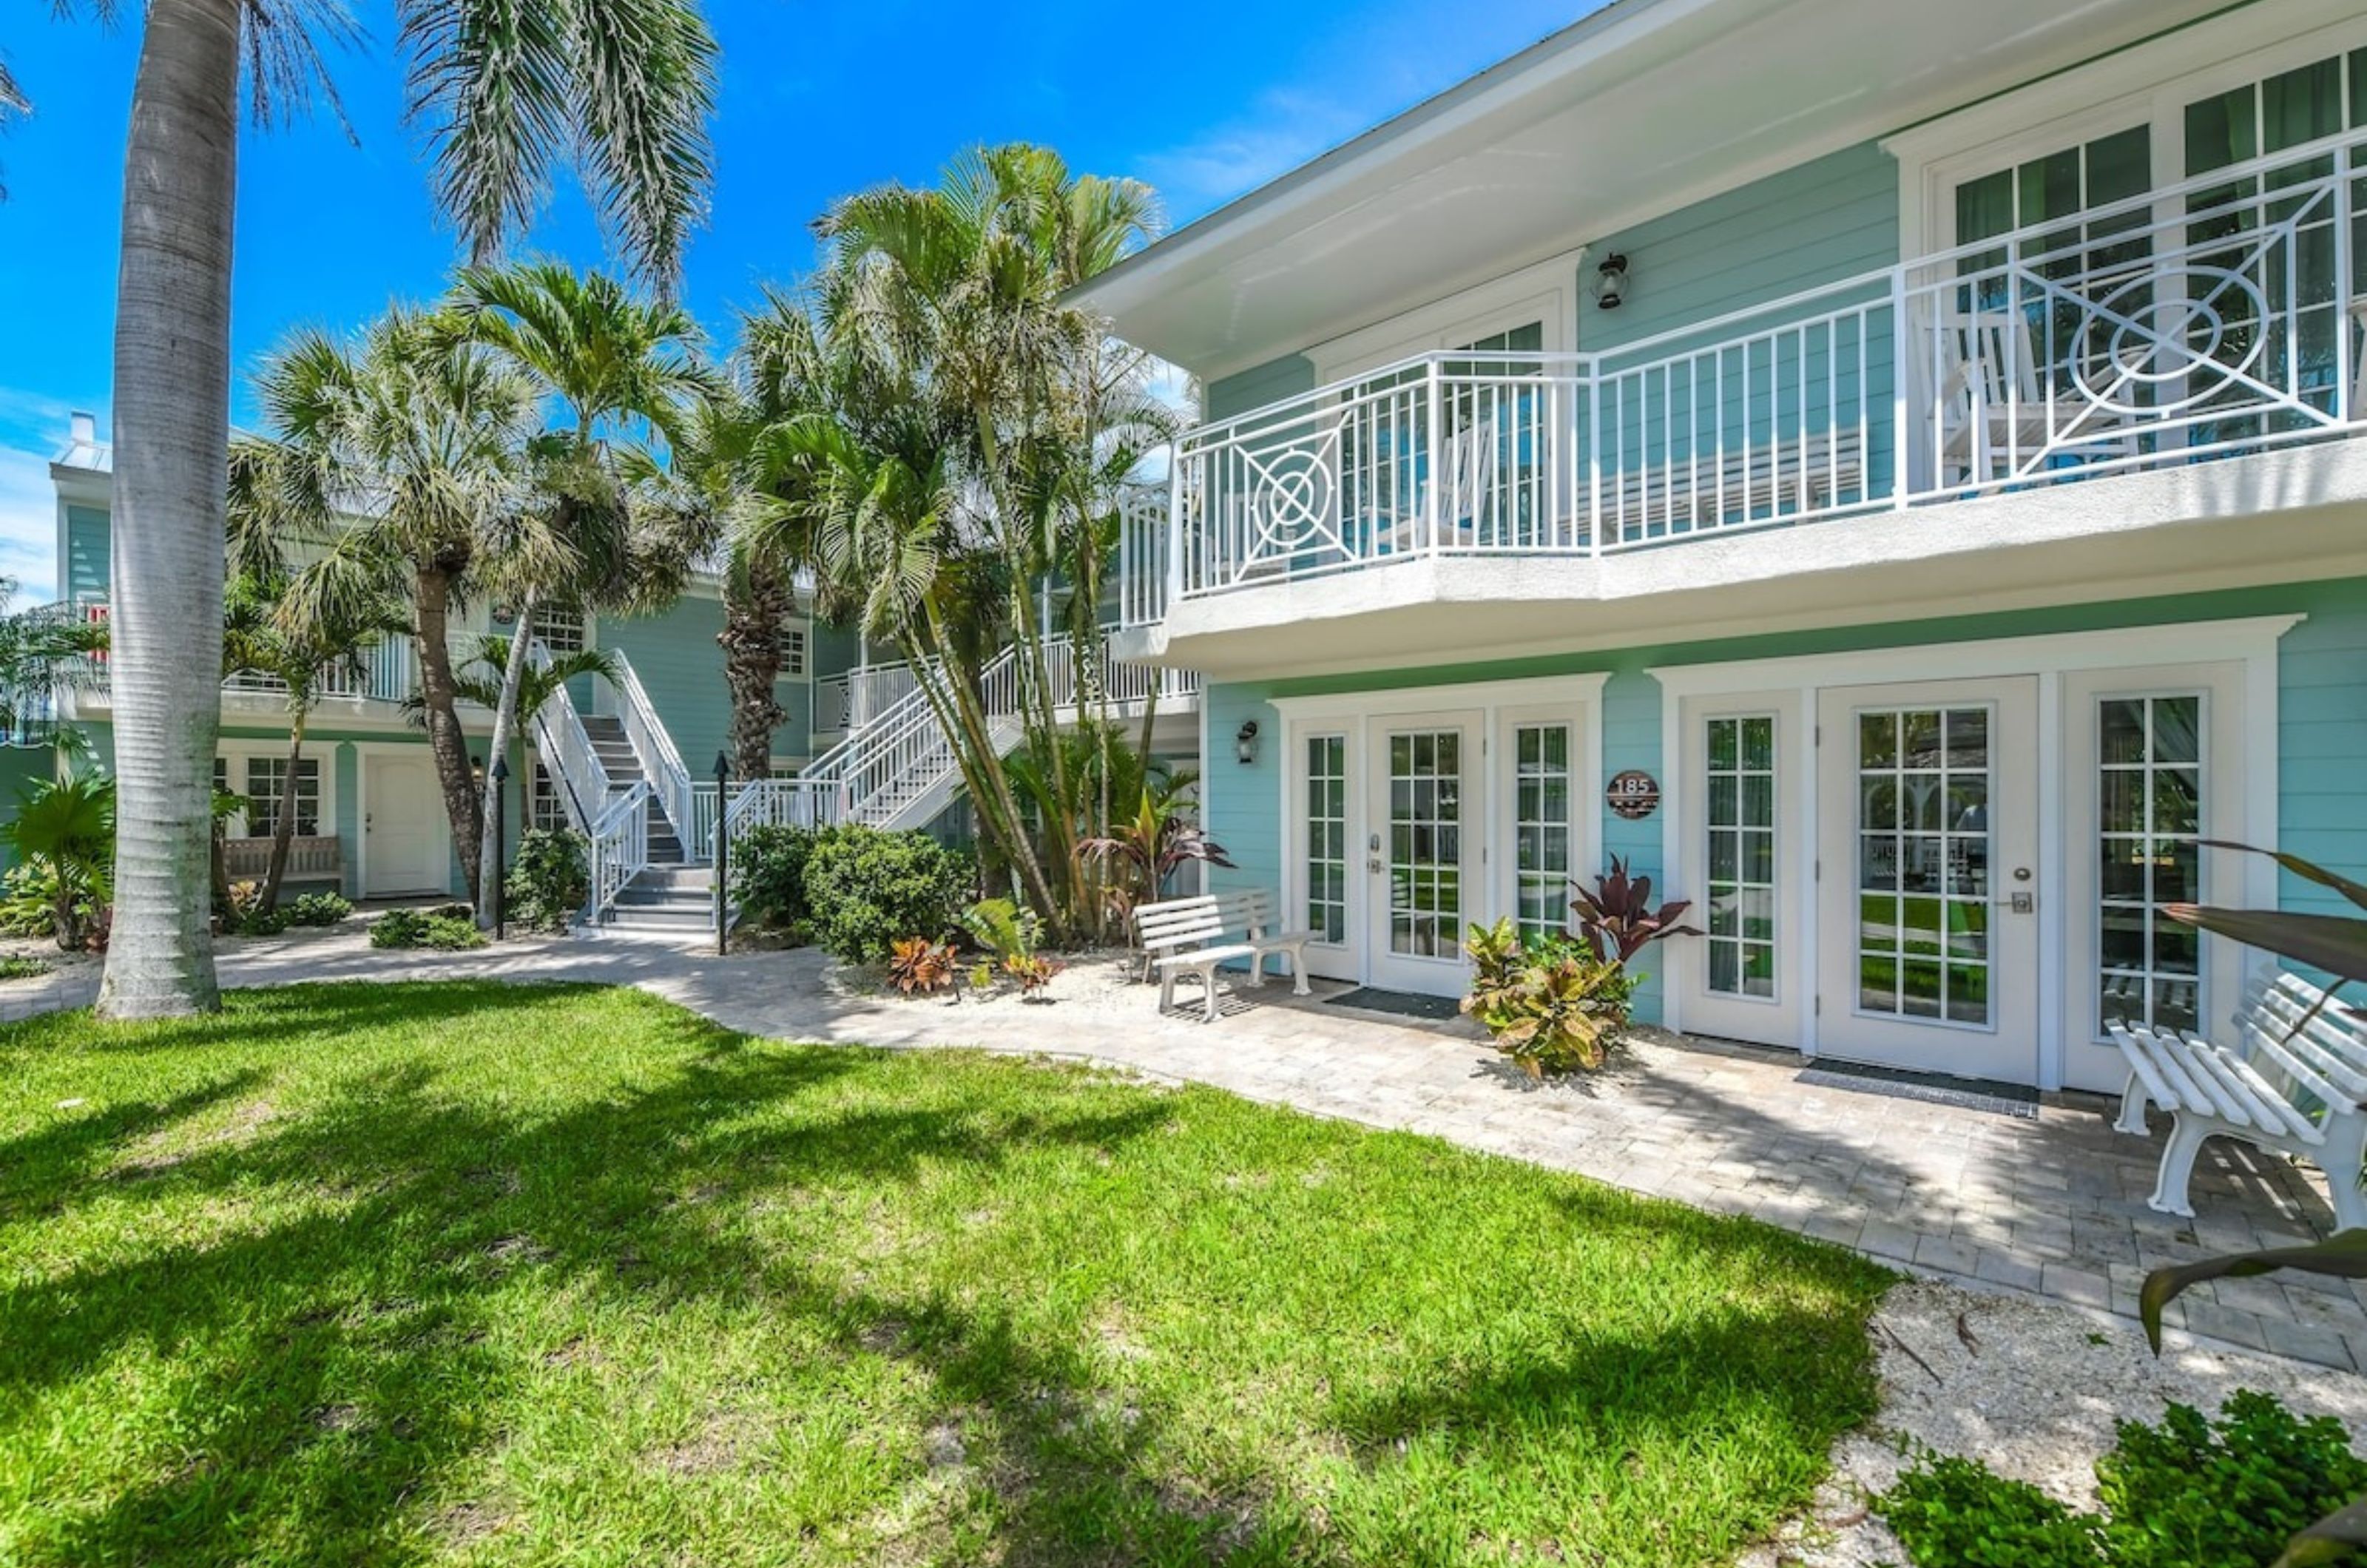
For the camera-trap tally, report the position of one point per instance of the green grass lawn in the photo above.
(465, 1273)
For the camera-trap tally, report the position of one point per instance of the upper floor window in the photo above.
(562, 628)
(793, 652)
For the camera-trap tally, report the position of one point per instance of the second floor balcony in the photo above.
(2218, 319)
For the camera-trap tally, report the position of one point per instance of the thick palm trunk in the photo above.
(756, 602)
(505, 737)
(171, 433)
(440, 697)
(283, 829)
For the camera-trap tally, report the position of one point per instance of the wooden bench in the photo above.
(1186, 936)
(1250, 914)
(2294, 1081)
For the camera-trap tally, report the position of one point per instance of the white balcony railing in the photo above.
(2216, 317)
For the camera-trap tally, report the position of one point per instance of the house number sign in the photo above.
(1634, 793)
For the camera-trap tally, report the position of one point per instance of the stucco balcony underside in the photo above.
(2277, 516)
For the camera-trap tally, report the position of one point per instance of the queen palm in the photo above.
(615, 365)
(1000, 420)
(398, 463)
(509, 94)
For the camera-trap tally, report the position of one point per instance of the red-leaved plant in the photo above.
(1616, 919)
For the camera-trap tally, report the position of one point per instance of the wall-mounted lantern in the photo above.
(1245, 742)
(1611, 281)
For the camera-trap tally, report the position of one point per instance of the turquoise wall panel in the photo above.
(681, 667)
(345, 773)
(1260, 385)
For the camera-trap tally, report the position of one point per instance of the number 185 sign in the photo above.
(1633, 793)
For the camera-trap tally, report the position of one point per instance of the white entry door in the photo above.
(1423, 832)
(402, 839)
(1927, 877)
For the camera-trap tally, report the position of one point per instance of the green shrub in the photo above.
(1549, 1003)
(2233, 1491)
(435, 928)
(1957, 1512)
(257, 920)
(321, 908)
(866, 888)
(29, 898)
(2186, 1493)
(768, 876)
(23, 966)
(549, 881)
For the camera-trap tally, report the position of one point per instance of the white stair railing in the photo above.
(904, 754)
(662, 763)
(620, 846)
(616, 822)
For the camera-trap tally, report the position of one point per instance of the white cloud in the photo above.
(32, 430)
(1281, 130)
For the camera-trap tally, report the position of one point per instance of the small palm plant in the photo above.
(64, 831)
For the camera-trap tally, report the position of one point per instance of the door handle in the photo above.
(1373, 866)
(2019, 903)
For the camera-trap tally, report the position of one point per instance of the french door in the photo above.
(1927, 878)
(1425, 821)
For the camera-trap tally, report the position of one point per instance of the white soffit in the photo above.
(1635, 111)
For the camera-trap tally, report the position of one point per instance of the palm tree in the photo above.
(976, 453)
(398, 463)
(621, 89)
(480, 682)
(65, 828)
(729, 467)
(301, 648)
(41, 650)
(617, 363)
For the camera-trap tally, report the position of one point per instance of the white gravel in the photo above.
(2030, 1388)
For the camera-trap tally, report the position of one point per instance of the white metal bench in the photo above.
(2295, 1081)
(1186, 936)
(1250, 914)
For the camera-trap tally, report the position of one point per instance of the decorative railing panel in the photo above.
(2216, 317)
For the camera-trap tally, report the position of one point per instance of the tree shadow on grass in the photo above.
(341, 1356)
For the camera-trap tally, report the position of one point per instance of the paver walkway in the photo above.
(2052, 1206)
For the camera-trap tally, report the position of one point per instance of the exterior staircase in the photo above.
(669, 895)
(623, 766)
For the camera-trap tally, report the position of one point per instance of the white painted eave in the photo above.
(2279, 517)
(1639, 109)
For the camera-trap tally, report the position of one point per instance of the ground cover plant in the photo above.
(2188, 1491)
(460, 1273)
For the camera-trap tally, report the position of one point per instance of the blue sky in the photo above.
(818, 98)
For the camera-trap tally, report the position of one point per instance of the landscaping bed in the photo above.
(462, 1272)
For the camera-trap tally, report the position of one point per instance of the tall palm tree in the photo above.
(620, 89)
(617, 365)
(303, 654)
(977, 449)
(397, 463)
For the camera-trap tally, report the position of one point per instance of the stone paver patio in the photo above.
(2052, 1206)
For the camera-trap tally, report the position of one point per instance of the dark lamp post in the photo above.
(500, 775)
(723, 849)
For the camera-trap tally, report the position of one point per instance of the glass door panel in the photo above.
(1424, 836)
(1928, 924)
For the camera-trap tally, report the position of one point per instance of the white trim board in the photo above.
(2254, 637)
(1585, 685)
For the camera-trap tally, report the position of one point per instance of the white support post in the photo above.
(1434, 445)
(1902, 379)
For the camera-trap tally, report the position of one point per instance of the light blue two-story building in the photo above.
(1886, 469)
(626, 761)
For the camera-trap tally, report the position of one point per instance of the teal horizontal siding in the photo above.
(681, 667)
(1260, 385)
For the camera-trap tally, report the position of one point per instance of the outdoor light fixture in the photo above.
(1245, 742)
(1611, 281)
(477, 771)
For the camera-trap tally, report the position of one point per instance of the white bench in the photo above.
(2295, 1081)
(1250, 914)
(1186, 936)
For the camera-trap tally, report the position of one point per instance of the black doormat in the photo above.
(1403, 1004)
(1937, 1088)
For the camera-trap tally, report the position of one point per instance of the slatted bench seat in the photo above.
(2293, 1080)
(1250, 914)
(1188, 936)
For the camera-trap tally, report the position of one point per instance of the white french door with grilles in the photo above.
(1425, 824)
(1928, 876)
